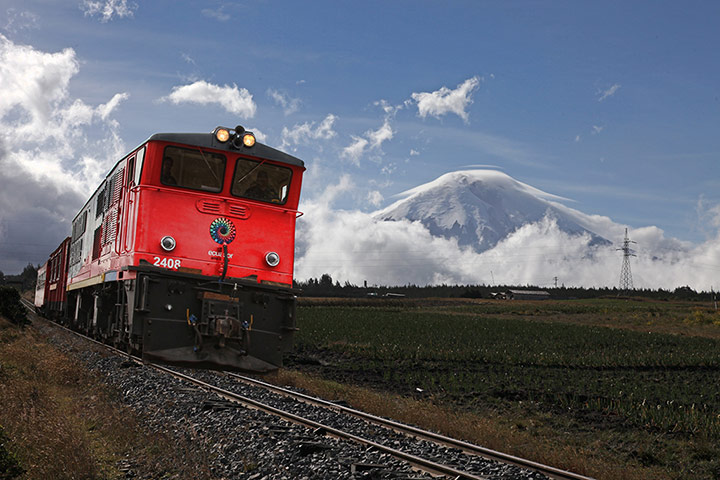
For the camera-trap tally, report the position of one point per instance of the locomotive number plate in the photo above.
(173, 263)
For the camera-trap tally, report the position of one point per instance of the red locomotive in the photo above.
(185, 252)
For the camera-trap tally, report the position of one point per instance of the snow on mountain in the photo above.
(480, 208)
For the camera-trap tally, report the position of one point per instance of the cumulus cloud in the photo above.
(307, 132)
(108, 9)
(289, 105)
(444, 101)
(44, 183)
(603, 94)
(233, 99)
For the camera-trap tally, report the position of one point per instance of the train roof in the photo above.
(207, 140)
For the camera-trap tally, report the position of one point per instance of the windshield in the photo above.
(261, 181)
(183, 167)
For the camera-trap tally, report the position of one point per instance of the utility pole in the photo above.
(556, 279)
(626, 281)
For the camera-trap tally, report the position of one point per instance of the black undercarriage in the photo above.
(187, 319)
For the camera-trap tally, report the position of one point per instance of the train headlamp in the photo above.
(248, 139)
(168, 243)
(222, 135)
(237, 137)
(272, 259)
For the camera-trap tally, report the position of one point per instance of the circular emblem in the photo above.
(222, 231)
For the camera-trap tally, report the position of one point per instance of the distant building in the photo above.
(527, 295)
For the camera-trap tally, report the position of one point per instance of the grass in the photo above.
(598, 387)
(60, 422)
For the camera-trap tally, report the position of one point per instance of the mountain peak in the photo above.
(478, 207)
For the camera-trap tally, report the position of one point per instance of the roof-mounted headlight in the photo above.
(248, 139)
(222, 134)
(238, 137)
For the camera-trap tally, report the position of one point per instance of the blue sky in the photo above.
(612, 105)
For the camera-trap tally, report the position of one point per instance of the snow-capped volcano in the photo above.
(480, 208)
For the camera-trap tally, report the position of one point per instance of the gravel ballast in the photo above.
(225, 440)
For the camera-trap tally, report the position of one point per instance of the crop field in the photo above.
(636, 383)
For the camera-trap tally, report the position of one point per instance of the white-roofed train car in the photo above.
(40, 287)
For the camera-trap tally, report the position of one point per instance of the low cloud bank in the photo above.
(354, 246)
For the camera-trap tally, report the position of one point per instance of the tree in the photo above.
(326, 281)
(29, 277)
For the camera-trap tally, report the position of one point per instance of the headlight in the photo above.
(168, 243)
(222, 134)
(272, 259)
(248, 139)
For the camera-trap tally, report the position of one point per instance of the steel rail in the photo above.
(426, 465)
(467, 447)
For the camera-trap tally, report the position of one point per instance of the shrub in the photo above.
(11, 307)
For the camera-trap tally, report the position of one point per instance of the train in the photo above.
(185, 253)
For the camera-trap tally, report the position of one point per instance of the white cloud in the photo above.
(17, 21)
(603, 94)
(390, 110)
(388, 169)
(353, 246)
(289, 105)
(382, 134)
(44, 181)
(375, 198)
(307, 132)
(373, 139)
(233, 99)
(355, 150)
(597, 129)
(444, 101)
(188, 59)
(108, 9)
(414, 152)
(217, 14)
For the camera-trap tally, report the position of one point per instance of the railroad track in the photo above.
(466, 447)
(283, 410)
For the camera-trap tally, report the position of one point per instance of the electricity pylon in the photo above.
(626, 281)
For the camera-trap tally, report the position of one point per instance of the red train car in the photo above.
(56, 270)
(185, 252)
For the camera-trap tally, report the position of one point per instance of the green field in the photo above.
(630, 373)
